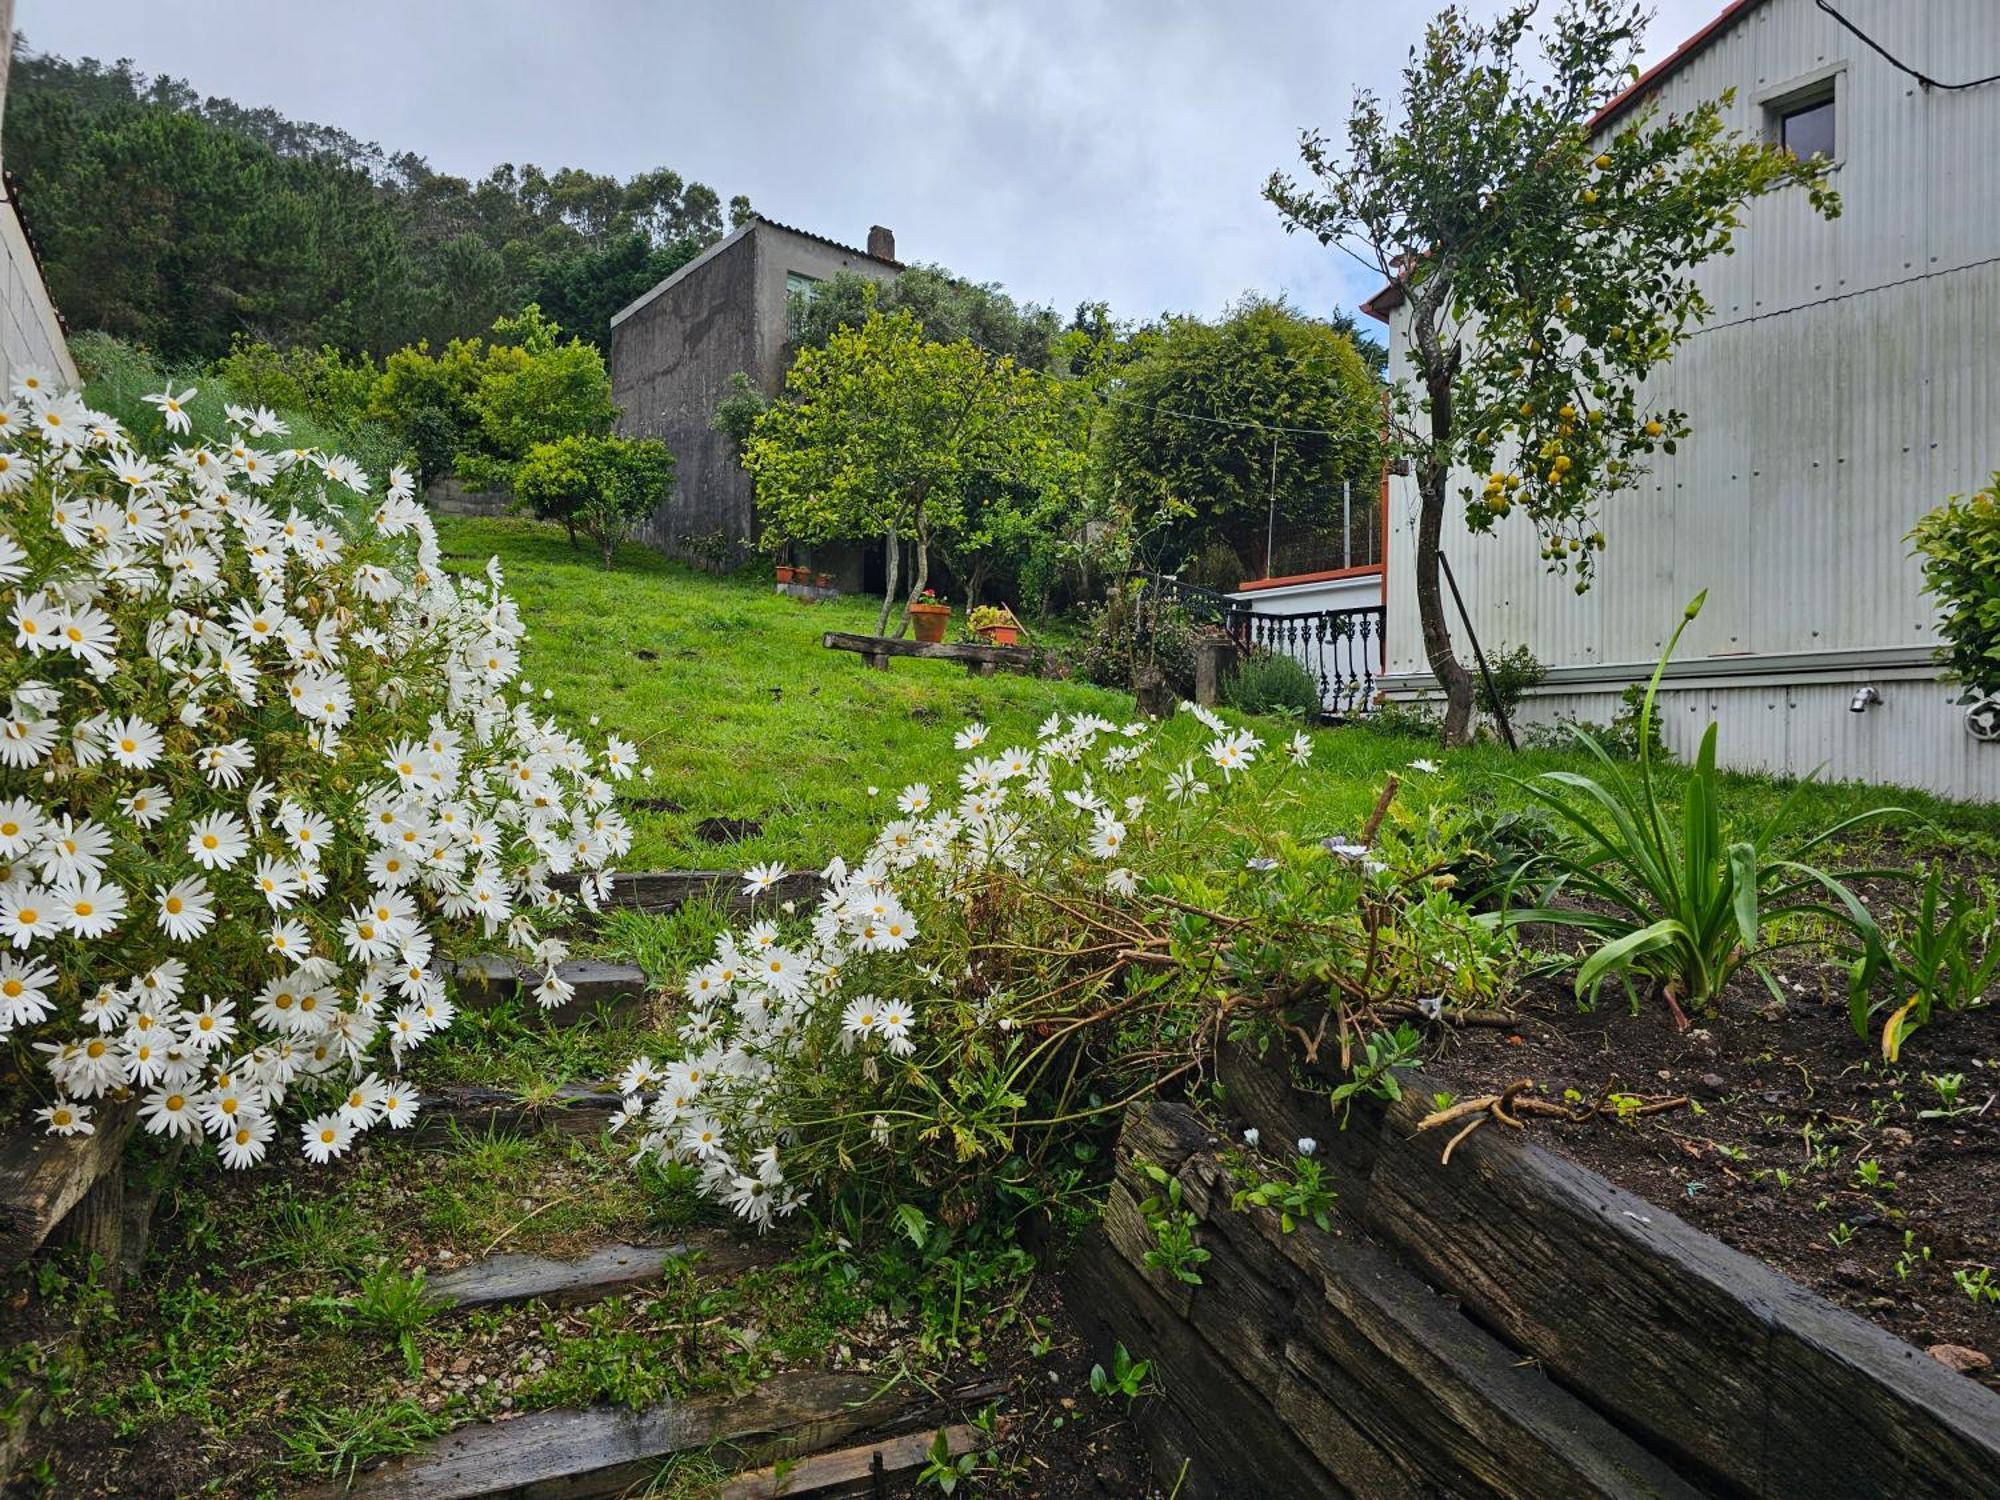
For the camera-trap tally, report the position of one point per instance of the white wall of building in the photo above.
(30, 336)
(1846, 382)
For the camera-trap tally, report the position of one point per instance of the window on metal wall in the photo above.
(799, 293)
(1805, 119)
(1808, 132)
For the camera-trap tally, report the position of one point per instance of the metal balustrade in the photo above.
(1343, 649)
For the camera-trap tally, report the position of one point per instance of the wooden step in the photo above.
(478, 1109)
(851, 1471)
(607, 1271)
(665, 890)
(490, 978)
(577, 1454)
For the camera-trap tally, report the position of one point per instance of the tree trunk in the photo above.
(1434, 487)
(923, 575)
(1445, 665)
(569, 524)
(892, 568)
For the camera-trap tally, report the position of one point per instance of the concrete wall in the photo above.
(1847, 381)
(671, 359)
(673, 351)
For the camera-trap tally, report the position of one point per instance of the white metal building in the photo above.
(1848, 380)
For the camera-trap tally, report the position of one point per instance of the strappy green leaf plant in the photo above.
(1681, 904)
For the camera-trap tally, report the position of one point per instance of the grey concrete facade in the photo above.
(674, 349)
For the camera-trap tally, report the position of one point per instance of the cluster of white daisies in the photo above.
(762, 1012)
(260, 778)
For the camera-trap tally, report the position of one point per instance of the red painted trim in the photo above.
(1328, 576)
(1654, 76)
(1389, 297)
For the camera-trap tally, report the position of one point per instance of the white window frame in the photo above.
(1821, 86)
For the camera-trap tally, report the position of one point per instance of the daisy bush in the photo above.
(261, 780)
(1073, 924)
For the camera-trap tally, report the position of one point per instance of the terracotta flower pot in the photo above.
(1000, 635)
(930, 621)
(785, 572)
(825, 580)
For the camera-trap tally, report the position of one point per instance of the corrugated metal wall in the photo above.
(1848, 379)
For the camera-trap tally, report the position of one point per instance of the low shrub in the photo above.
(1128, 631)
(260, 779)
(1682, 903)
(1270, 682)
(1514, 671)
(1959, 543)
(1007, 969)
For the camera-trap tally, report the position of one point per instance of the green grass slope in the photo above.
(742, 714)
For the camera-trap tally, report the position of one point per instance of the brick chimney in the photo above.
(881, 243)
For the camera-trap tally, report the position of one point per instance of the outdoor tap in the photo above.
(1865, 697)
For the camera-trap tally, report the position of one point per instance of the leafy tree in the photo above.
(1541, 278)
(552, 389)
(1179, 447)
(945, 307)
(183, 222)
(887, 433)
(601, 486)
(322, 382)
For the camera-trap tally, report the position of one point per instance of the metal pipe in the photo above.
(1499, 708)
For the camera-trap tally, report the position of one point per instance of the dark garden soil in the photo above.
(1787, 1110)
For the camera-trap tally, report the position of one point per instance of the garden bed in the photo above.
(1790, 1115)
(1744, 1380)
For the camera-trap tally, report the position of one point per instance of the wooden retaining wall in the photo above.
(1510, 1324)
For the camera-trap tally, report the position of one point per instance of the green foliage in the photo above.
(736, 414)
(1514, 671)
(1127, 1376)
(1187, 479)
(1301, 1197)
(1943, 952)
(555, 388)
(1959, 543)
(600, 486)
(1271, 682)
(1174, 1250)
(118, 376)
(1682, 907)
(1501, 846)
(1379, 1059)
(182, 222)
(1127, 631)
(947, 308)
(339, 1441)
(396, 1304)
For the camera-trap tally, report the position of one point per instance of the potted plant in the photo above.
(785, 572)
(996, 625)
(825, 580)
(929, 614)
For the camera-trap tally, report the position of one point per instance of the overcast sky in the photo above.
(1069, 150)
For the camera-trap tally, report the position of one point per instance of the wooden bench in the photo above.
(980, 661)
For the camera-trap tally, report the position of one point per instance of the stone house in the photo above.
(673, 350)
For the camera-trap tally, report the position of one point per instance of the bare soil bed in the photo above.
(1798, 1145)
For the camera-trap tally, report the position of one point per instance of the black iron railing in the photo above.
(1343, 649)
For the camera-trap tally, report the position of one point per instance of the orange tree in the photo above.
(1543, 270)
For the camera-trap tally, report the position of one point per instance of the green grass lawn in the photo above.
(742, 714)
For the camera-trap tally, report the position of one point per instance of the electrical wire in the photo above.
(1897, 63)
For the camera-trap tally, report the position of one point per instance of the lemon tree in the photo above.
(1544, 269)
